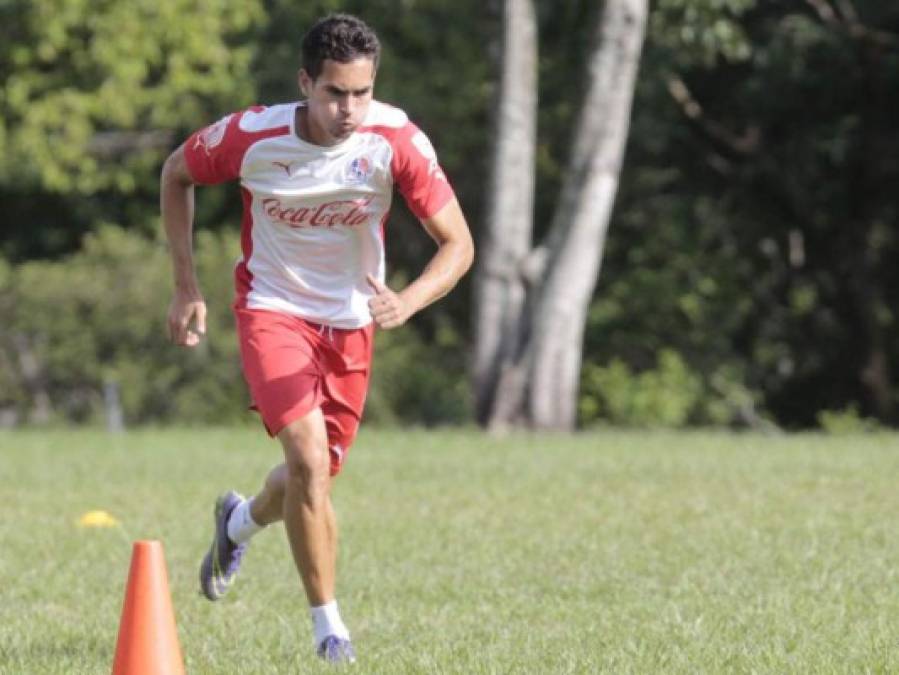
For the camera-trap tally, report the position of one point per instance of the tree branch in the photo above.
(742, 145)
(848, 11)
(847, 20)
(824, 11)
(111, 144)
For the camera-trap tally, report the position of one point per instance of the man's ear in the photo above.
(304, 82)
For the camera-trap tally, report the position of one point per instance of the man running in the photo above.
(316, 177)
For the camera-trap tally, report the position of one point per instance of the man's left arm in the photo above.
(455, 253)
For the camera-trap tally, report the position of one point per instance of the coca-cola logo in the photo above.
(349, 212)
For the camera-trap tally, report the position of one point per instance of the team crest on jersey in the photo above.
(212, 135)
(358, 171)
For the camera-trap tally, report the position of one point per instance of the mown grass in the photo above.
(606, 552)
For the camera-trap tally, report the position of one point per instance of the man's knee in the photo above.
(308, 470)
(306, 460)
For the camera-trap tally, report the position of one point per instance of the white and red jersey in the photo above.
(313, 222)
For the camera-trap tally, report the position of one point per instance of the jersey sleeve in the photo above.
(417, 173)
(214, 154)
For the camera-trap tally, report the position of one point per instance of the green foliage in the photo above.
(95, 95)
(846, 422)
(752, 237)
(93, 90)
(98, 317)
(729, 402)
(664, 396)
(701, 30)
(418, 382)
(750, 232)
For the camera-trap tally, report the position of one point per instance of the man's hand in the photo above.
(185, 308)
(387, 308)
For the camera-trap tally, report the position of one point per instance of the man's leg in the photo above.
(267, 506)
(284, 367)
(306, 506)
(298, 492)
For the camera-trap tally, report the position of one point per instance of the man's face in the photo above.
(338, 98)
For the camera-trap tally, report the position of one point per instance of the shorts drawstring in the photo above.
(321, 331)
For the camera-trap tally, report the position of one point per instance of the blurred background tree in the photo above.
(532, 302)
(746, 277)
(95, 94)
(755, 228)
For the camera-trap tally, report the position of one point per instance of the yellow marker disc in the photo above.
(97, 519)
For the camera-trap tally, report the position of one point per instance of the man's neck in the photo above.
(304, 129)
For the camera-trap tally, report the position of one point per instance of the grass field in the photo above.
(609, 552)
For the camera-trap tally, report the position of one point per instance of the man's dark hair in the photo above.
(339, 37)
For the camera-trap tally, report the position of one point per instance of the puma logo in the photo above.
(284, 166)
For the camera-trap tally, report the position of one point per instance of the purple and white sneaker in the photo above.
(334, 649)
(220, 565)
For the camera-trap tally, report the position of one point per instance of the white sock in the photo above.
(241, 525)
(326, 621)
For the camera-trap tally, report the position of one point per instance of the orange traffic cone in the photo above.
(148, 639)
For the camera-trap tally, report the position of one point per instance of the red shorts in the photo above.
(293, 366)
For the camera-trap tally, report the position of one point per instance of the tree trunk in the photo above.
(542, 386)
(507, 239)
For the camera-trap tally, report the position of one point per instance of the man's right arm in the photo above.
(187, 311)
